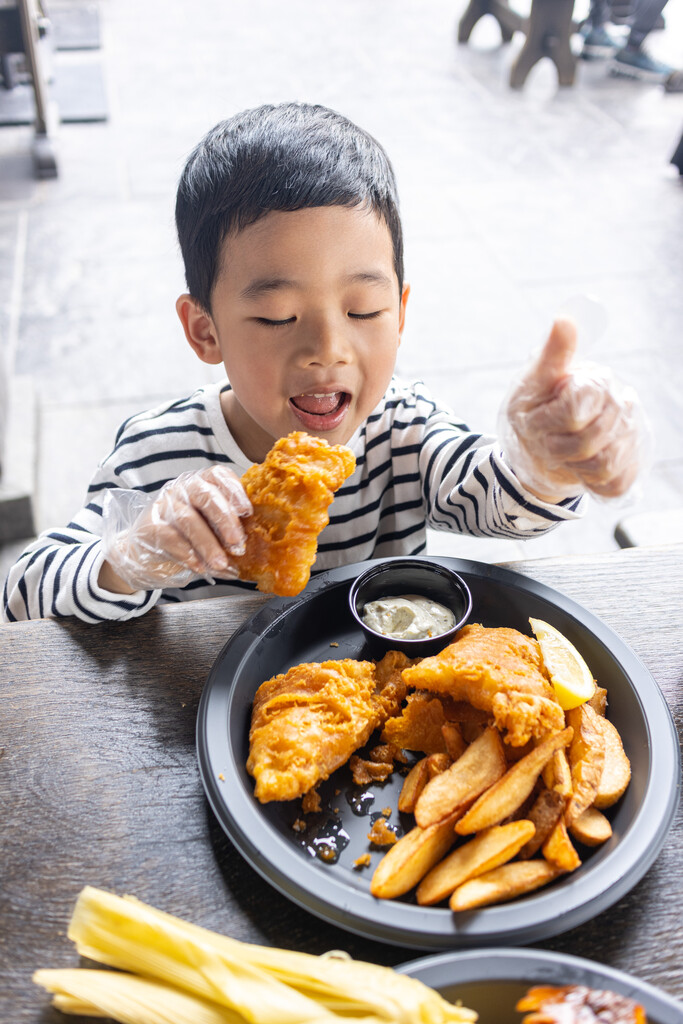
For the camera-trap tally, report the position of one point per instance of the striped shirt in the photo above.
(416, 466)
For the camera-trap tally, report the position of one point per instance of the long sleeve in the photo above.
(469, 487)
(57, 575)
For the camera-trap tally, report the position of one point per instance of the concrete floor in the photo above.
(512, 201)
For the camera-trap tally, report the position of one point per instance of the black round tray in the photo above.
(317, 626)
(491, 981)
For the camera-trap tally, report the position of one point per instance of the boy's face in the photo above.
(307, 320)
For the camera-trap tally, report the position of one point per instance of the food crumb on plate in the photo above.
(363, 861)
(310, 802)
(380, 834)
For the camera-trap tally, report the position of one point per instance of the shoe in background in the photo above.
(638, 64)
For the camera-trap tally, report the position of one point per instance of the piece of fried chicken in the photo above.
(500, 671)
(290, 493)
(307, 722)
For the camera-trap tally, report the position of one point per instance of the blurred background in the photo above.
(514, 201)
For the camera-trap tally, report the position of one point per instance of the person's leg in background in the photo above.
(598, 42)
(633, 61)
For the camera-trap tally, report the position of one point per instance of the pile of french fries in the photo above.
(493, 822)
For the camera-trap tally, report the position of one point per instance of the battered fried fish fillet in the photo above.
(576, 1004)
(308, 721)
(499, 671)
(290, 492)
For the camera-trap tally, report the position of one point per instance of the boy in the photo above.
(288, 223)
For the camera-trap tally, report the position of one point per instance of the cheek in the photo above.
(381, 355)
(257, 383)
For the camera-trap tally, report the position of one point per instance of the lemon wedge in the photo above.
(571, 678)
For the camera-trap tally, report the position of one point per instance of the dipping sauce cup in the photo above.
(398, 577)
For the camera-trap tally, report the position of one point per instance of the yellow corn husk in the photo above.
(128, 935)
(76, 1007)
(128, 999)
(351, 988)
(263, 984)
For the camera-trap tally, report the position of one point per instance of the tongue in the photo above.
(319, 406)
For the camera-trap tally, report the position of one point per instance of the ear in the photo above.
(402, 311)
(199, 328)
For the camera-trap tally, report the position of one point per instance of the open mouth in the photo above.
(321, 411)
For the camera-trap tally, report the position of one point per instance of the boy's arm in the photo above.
(470, 488)
(114, 559)
(58, 574)
(467, 484)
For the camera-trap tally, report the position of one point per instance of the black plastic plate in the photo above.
(491, 981)
(317, 626)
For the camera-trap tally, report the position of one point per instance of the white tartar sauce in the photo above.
(408, 617)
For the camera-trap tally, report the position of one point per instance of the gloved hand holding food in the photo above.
(569, 429)
(194, 527)
(189, 530)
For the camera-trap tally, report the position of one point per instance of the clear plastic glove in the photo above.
(570, 429)
(189, 530)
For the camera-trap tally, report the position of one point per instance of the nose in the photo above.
(326, 344)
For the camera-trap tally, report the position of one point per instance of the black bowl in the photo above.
(491, 981)
(397, 576)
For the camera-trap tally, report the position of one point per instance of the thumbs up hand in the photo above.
(566, 429)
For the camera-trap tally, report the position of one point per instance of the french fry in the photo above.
(413, 784)
(482, 763)
(509, 792)
(545, 813)
(586, 759)
(486, 851)
(409, 860)
(521, 813)
(558, 849)
(452, 737)
(437, 763)
(591, 828)
(599, 701)
(616, 772)
(471, 731)
(557, 774)
(503, 883)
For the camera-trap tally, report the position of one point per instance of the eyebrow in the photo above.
(263, 285)
(368, 277)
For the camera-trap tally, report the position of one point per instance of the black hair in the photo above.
(289, 156)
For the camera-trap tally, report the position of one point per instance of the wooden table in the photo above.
(99, 782)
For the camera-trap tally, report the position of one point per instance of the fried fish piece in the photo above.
(290, 492)
(307, 722)
(419, 725)
(577, 1004)
(500, 671)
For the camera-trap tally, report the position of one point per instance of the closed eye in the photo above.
(274, 323)
(366, 316)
